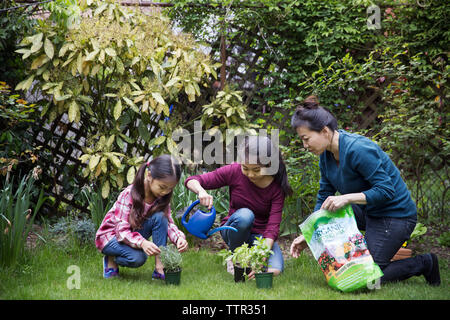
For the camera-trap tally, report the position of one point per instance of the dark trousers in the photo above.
(384, 237)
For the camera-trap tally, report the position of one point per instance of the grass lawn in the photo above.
(204, 277)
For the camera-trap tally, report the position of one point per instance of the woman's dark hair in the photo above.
(313, 116)
(262, 146)
(160, 167)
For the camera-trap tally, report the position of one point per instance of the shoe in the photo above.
(158, 276)
(109, 272)
(433, 277)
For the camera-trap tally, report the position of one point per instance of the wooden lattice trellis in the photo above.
(64, 140)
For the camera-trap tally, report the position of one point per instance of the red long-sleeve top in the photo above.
(266, 203)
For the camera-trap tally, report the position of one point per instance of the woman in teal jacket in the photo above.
(366, 178)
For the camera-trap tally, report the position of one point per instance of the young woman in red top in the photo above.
(256, 198)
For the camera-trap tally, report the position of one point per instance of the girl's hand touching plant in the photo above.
(182, 244)
(150, 248)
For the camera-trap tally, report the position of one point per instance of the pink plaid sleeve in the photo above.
(123, 228)
(172, 231)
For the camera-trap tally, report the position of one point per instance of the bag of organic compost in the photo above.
(340, 249)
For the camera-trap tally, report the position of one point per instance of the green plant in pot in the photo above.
(172, 261)
(240, 257)
(259, 256)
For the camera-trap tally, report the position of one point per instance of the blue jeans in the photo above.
(384, 237)
(242, 219)
(156, 225)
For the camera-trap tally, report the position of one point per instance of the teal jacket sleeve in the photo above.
(368, 160)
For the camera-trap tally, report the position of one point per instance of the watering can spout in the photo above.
(201, 222)
(221, 228)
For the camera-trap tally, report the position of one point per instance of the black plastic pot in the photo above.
(172, 277)
(264, 280)
(239, 273)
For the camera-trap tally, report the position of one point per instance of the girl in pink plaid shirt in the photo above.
(141, 210)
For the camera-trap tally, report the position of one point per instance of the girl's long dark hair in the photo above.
(161, 167)
(257, 145)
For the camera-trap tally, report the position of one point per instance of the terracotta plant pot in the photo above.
(402, 253)
(239, 273)
(173, 277)
(264, 280)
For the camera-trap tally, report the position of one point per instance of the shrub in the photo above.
(14, 24)
(16, 119)
(227, 112)
(304, 176)
(69, 231)
(115, 73)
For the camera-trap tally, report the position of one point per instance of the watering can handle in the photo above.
(196, 202)
(183, 218)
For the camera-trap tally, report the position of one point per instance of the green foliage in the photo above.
(14, 24)
(305, 34)
(414, 121)
(181, 196)
(97, 206)
(84, 231)
(418, 231)
(260, 253)
(304, 176)
(325, 48)
(240, 256)
(65, 13)
(444, 239)
(227, 112)
(171, 258)
(410, 75)
(340, 85)
(114, 73)
(70, 232)
(17, 213)
(16, 117)
(255, 257)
